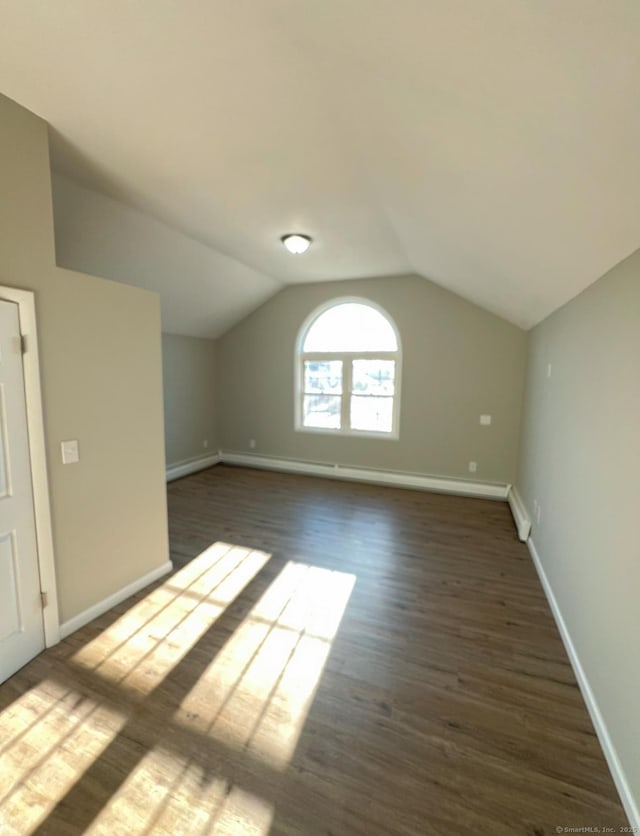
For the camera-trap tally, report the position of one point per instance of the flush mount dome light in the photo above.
(296, 244)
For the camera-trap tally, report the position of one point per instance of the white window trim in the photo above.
(347, 358)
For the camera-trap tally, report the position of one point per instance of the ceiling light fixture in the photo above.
(296, 244)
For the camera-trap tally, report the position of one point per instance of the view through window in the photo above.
(348, 371)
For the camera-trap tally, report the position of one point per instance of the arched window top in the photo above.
(350, 327)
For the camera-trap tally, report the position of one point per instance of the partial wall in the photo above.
(102, 384)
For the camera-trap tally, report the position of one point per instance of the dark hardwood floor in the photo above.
(328, 658)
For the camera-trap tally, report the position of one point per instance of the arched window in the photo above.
(348, 371)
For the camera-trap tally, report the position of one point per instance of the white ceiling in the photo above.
(489, 145)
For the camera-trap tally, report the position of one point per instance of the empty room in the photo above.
(319, 417)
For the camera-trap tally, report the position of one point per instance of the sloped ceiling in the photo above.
(203, 293)
(489, 146)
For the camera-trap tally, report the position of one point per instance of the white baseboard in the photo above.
(520, 514)
(179, 469)
(439, 484)
(101, 607)
(615, 767)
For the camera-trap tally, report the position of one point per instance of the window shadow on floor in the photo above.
(188, 708)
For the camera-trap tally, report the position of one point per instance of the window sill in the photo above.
(392, 436)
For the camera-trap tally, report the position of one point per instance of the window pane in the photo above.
(375, 414)
(322, 411)
(323, 376)
(351, 326)
(373, 377)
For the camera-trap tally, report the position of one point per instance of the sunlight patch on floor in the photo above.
(169, 794)
(252, 698)
(145, 644)
(51, 735)
(41, 762)
(256, 694)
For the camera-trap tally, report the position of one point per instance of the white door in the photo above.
(21, 624)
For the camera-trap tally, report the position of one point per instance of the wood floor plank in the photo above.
(327, 658)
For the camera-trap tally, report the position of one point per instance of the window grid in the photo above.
(345, 394)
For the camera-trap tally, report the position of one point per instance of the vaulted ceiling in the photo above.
(489, 145)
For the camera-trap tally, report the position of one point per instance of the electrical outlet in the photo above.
(205, 443)
(473, 466)
(548, 369)
(485, 420)
(538, 514)
(252, 443)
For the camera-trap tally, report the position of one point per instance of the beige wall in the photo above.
(458, 362)
(580, 460)
(189, 369)
(102, 384)
(202, 291)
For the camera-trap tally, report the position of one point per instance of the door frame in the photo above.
(25, 300)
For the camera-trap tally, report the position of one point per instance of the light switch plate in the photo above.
(485, 420)
(70, 452)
